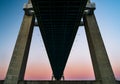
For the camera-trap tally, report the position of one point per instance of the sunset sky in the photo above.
(79, 65)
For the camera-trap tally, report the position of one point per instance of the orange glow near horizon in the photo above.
(116, 70)
(78, 67)
(35, 72)
(77, 73)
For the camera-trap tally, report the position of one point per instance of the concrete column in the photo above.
(18, 62)
(102, 68)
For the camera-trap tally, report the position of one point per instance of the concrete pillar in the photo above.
(102, 68)
(18, 62)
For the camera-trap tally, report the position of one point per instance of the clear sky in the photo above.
(79, 66)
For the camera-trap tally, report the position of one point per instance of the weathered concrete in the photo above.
(59, 82)
(18, 62)
(101, 64)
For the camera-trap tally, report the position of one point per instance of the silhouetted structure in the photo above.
(58, 21)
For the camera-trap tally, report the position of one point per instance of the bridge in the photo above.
(58, 21)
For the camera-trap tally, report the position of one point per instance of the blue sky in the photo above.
(107, 13)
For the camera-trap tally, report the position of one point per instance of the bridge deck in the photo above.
(58, 21)
(58, 82)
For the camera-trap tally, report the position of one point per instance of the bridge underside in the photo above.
(58, 21)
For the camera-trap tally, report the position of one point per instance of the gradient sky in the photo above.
(79, 66)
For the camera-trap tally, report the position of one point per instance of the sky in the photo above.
(79, 65)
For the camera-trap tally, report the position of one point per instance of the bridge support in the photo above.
(101, 64)
(18, 62)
